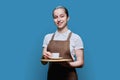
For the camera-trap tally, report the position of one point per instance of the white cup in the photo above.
(55, 55)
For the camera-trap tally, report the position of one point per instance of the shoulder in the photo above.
(75, 36)
(76, 41)
(48, 36)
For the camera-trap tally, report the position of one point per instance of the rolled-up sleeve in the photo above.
(78, 43)
(47, 39)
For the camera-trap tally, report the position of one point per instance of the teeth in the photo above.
(59, 23)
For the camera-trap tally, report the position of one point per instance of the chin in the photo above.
(60, 27)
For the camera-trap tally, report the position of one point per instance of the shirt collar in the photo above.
(64, 34)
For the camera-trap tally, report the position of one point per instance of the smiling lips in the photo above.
(59, 23)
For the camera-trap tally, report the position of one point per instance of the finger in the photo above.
(45, 56)
(48, 53)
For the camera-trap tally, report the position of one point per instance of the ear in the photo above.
(68, 18)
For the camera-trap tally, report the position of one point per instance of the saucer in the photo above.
(56, 58)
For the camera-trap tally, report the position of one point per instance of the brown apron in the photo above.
(61, 70)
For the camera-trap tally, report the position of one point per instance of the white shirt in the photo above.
(75, 40)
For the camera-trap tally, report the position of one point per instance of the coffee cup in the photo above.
(55, 55)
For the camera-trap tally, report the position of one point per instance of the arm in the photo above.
(80, 58)
(45, 55)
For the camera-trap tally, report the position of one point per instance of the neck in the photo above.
(62, 30)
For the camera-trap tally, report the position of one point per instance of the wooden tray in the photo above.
(56, 60)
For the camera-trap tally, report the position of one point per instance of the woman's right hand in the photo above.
(46, 54)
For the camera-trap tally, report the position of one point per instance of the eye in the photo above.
(55, 17)
(61, 16)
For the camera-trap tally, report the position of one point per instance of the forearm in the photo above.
(76, 64)
(44, 57)
(79, 59)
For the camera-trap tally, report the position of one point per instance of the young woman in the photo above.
(65, 42)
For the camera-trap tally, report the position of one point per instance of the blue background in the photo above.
(24, 23)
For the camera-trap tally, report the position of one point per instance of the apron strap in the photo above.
(53, 36)
(69, 36)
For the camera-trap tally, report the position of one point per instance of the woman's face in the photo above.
(60, 18)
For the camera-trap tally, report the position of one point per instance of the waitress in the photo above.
(65, 42)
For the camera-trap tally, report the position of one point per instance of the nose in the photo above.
(58, 19)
